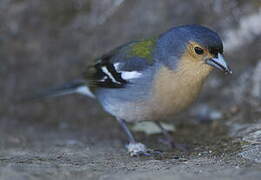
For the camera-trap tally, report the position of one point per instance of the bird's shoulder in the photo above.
(116, 68)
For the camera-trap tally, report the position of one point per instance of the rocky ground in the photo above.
(45, 43)
(42, 152)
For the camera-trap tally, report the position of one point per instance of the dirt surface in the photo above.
(42, 152)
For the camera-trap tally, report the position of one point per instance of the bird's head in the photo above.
(193, 48)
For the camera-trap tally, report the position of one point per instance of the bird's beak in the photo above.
(219, 63)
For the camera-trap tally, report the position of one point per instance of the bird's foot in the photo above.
(139, 149)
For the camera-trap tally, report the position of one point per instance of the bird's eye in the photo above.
(199, 50)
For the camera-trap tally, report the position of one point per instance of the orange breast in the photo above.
(176, 90)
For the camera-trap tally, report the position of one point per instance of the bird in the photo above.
(150, 79)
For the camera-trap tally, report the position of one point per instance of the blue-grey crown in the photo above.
(171, 44)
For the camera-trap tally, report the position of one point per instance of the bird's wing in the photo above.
(118, 67)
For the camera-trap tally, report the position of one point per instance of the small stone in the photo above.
(252, 152)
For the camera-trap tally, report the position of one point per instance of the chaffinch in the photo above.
(151, 79)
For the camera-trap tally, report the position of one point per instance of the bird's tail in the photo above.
(77, 86)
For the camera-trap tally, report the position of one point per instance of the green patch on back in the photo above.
(144, 49)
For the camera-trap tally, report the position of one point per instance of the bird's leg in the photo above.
(134, 148)
(169, 139)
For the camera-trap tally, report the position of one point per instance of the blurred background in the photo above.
(46, 43)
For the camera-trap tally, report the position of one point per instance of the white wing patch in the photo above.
(105, 70)
(103, 79)
(127, 75)
(116, 66)
(130, 74)
(85, 91)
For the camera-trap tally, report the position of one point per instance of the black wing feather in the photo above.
(112, 78)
